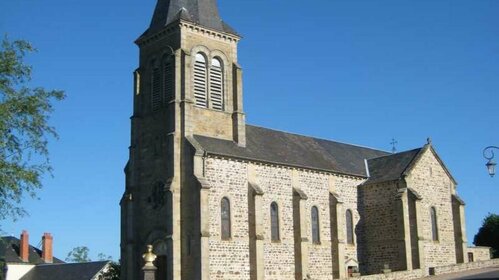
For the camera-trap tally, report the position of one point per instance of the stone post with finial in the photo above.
(149, 268)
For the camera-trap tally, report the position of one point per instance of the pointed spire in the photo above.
(202, 12)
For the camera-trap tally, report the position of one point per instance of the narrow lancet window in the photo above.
(434, 225)
(225, 218)
(349, 224)
(274, 222)
(216, 85)
(200, 87)
(315, 225)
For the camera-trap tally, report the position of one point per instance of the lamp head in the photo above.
(491, 167)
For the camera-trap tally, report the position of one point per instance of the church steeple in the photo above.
(202, 12)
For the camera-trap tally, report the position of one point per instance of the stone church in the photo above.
(222, 199)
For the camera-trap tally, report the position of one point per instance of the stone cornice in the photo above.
(193, 27)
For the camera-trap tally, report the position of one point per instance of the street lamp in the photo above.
(488, 153)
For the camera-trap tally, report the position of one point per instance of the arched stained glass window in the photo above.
(225, 218)
(315, 225)
(349, 224)
(434, 224)
(200, 85)
(216, 84)
(274, 222)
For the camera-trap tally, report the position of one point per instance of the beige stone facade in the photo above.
(185, 159)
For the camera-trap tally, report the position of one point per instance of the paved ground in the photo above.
(479, 274)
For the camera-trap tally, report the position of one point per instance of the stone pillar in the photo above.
(255, 197)
(300, 230)
(459, 229)
(149, 269)
(420, 233)
(337, 219)
(238, 117)
(404, 234)
(205, 233)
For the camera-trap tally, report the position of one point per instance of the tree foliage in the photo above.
(113, 273)
(488, 234)
(24, 128)
(79, 255)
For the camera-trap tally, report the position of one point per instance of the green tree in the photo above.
(113, 273)
(79, 255)
(488, 234)
(24, 128)
(104, 257)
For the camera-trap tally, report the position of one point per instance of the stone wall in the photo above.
(480, 253)
(381, 239)
(230, 259)
(465, 266)
(412, 274)
(430, 180)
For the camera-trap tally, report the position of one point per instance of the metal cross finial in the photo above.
(394, 143)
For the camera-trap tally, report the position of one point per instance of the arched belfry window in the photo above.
(349, 224)
(274, 222)
(315, 225)
(434, 225)
(225, 218)
(155, 86)
(216, 84)
(168, 77)
(200, 81)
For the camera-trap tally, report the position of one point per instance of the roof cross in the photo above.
(394, 143)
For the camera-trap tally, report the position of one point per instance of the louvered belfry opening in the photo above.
(156, 87)
(168, 78)
(216, 84)
(200, 77)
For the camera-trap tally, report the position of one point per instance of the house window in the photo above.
(349, 224)
(225, 217)
(216, 84)
(156, 87)
(434, 224)
(200, 84)
(168, 77)
(274, 222)
(315, 226)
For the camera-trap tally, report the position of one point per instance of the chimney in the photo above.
(24, 246)
(47, 255)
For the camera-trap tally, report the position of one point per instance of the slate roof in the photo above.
(202, 12)
(9, 252)
(272, 146)
(67, 271)
(390, 167)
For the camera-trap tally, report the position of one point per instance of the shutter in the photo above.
(216, 85)
(200, 81)
(156, 89)
(168, 79)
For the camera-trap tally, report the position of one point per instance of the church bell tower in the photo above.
(188, 83)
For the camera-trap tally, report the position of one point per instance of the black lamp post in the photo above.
(488, 153)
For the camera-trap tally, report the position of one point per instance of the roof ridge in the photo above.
(82, 263)
(318, 138)
(389, 155)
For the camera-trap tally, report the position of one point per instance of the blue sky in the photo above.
(354, 71)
